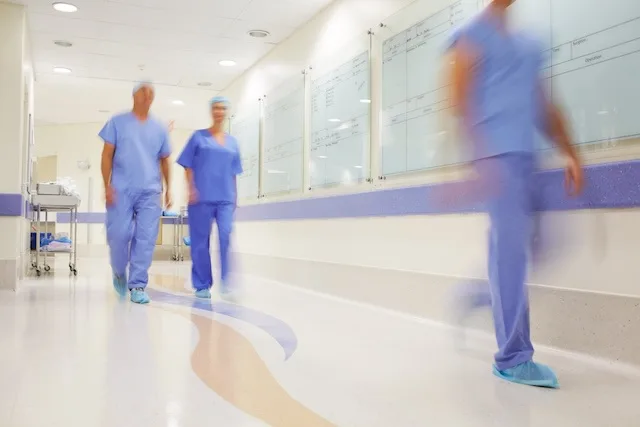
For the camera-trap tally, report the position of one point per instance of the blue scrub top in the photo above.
(214, 166)
(139, 146)
(505, 105)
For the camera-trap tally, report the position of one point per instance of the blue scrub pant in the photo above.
(509, 182)
(201, 217)
(132, 229)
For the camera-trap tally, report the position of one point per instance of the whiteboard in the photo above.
(415, 98)
(592, 67)
(246, 129)
(283, 144)
(340, 124)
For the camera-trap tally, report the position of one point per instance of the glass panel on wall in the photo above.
(595, 66)
(415, 97)
(245, 127)
(282, 163)
(340, 123)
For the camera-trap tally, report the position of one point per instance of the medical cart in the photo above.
(45, 204)
(178, 235)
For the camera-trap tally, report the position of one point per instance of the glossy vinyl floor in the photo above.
(73, 354)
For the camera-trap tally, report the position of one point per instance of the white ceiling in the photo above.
(174, 43)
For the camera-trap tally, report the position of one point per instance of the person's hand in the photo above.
(193, 195)
(110, 195)
(168, 199)
(574, 177)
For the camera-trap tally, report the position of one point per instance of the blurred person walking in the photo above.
(499, 96)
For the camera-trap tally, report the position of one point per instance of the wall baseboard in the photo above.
(599, 325)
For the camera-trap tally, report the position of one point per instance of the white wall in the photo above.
(16, 103)
(591, 250)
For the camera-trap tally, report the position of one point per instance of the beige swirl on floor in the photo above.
(229, 365)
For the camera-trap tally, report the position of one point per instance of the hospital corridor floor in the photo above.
(73, 354)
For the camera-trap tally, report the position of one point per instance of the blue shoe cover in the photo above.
(139, 296)
(529, 373)
(203, 294)
(120, 284)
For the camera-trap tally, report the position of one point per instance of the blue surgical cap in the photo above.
(220, 100)
(140, 85)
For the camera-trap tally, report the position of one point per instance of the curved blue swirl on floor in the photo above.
(276, 328)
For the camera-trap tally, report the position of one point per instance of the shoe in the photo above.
(226, 294)
(139, 296)
(529, 373)
(120, 284)
(203, 294)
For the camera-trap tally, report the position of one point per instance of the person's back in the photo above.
(504, 104)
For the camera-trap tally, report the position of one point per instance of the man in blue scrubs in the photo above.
(498, 93)
(135, 154)
(212, 161)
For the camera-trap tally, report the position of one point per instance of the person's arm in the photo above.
(109, 136)
(555, 128)
(186, 160)
(165, 167)
(237, 170)
(461, 75)
(106, 164)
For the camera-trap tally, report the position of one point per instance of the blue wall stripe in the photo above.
(611, 185)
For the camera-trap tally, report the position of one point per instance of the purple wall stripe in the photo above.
(11, 204)
(611, 185)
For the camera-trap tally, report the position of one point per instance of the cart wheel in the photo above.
(75, 272)
(174, 257)
(33, 264)
(70, 267)
(38, 273)
(181, 257)
(47, 268)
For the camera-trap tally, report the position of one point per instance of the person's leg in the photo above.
(224, 220)
(119, 233)
(200, 222)
(147, 209)
(510, 211)
(511, 225)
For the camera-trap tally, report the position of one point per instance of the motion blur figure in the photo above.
(135, 154)
(500, 98)
(212, 162)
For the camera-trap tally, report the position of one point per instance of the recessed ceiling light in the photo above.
(365, 101)
(65, 7)
(178, 102)
(63, 43)
(227, 63)
(258, 33)
(204, 84)
(61, 70)
(334, 120)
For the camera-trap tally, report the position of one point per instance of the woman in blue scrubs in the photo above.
(211, 160)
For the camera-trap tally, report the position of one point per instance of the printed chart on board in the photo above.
(283, 139)
(414, 94)
(591, 70)
(595, 67)
(340, 117)
(246, 130)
